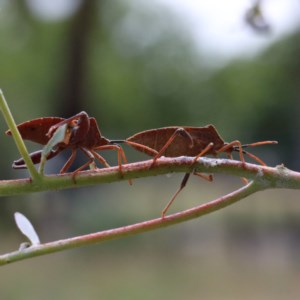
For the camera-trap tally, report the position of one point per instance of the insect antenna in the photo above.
(117, 141)
(259, 144)
(254, 157)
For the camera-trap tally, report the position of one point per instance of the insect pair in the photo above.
(83, 134)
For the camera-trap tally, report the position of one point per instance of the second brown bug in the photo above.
(176, 141)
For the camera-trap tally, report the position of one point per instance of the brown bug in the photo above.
(188, 141)
(83, 134)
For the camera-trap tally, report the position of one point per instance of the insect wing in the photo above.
(202, 136)
(36, 130)
(152, 139)
(93, 138)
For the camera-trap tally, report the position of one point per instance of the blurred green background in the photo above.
(135, 66)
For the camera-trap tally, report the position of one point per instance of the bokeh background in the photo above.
(136, 65)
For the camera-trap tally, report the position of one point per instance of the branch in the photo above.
(266, 177)
(134, 229)
(262, 178)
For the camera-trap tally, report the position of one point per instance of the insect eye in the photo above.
(74, 123)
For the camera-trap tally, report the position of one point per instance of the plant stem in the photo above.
(17, 137)
(107, 235)
(267, 177)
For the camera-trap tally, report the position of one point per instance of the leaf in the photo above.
(26, 228)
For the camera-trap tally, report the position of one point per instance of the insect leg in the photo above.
(100, 158)
(69, 162)
(137, 145)
(182, 185)
(121, 156)
(245, 180)
(187, 176)
(179, 131)
(88, 154)
(230, 147)
(254, 157)
(209, 178)
(202, 153)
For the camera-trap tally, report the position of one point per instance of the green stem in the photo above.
(17, 137)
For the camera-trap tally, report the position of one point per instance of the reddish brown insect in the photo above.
(84, 134)
(188, 141)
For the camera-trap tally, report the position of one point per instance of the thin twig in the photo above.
(17, 137)
(133, 229)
